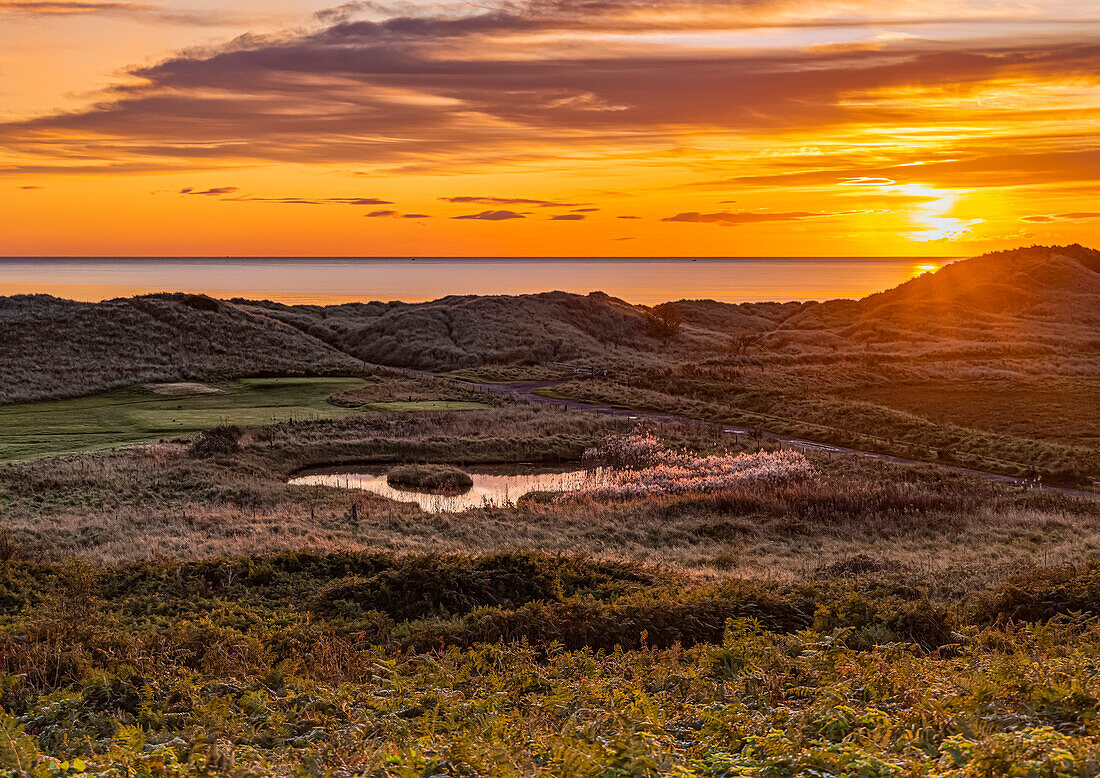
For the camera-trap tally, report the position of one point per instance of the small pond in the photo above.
(494, 486)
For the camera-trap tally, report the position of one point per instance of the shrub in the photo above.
(418, 587)
(224, 439)
(1039, 594)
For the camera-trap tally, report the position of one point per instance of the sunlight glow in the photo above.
(932, 215)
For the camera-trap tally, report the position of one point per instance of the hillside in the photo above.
(55, 348)
(1037, 302)
(463, 331)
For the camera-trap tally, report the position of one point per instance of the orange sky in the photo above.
(548, 127)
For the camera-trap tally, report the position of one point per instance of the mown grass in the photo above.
(137, 415)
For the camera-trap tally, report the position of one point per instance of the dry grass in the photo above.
(159, 501)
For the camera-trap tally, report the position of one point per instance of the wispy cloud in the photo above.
(727, 219)
(492, 216)
(509, 201)
(43, 8)
(217, 190)
(308, 200)
(155, 13)
(396, 215)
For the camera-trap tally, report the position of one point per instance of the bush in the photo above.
(419, 587)
(225, 439)
(1039, 594)
(430, 478)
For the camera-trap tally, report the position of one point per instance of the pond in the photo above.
(494, 486)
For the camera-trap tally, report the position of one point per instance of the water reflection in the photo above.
(493, 487)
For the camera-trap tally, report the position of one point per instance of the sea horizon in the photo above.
(336, 280)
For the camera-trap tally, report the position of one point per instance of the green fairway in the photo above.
(138, 414)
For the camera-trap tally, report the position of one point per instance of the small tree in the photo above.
(665, 320)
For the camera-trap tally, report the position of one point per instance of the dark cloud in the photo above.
(492, 216)
(628, 217)
(508, 201)
(568, 217)
(396, 215)
(218, 190)
(585, 210)
(342, 94)
(727, 219)
(29, 188)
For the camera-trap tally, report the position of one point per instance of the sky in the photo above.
(548, 127)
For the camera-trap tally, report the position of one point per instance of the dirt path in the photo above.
(526, 393)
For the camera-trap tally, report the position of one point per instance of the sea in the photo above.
(326, 281)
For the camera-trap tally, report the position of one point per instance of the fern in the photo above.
(18, 752)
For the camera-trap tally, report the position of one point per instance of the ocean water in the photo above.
(327, 281)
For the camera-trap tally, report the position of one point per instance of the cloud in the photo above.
(492, 216)
(415, 88)
(41, 8)
(568, 217)
(29, 187)
(309, 200)
(585, 210)
(144, 11)
(508, 201)
(727, 219)
(218, 190)
(628, 217)
(396, 215)
(1060, 217)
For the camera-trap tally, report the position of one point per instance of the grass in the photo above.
(428, 405)
(430, 478)
(774, 401)
(137, 415)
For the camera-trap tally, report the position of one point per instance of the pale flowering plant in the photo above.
(637, 465)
